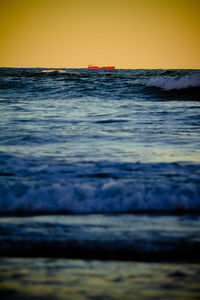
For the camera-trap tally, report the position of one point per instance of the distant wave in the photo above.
(175, 83)
(55, 83)
(54, 70)
(57, 71)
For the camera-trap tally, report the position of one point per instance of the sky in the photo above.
(125, 33)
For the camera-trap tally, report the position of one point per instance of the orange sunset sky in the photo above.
(124, 33)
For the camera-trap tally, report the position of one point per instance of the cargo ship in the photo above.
(103, 67)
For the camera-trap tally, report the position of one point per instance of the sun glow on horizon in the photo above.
(127, 34)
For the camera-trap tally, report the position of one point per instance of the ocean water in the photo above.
(100, 164)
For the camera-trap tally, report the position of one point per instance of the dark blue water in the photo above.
(99, 141)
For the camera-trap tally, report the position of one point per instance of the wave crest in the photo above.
(109, 196)
(37, 185)
(175, 83)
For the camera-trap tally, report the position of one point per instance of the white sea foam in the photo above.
(175, 83)
(111, 196)
(38, 185)
(58, 71)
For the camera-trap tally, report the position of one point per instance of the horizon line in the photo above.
(116, 68)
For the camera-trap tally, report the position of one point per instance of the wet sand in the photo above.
(37, 278)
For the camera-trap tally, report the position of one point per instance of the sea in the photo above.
(99, 184)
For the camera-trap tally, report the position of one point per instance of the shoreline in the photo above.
(152, 212)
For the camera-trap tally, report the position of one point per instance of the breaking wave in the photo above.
(111, 197)
(175, 83)
(100, 188)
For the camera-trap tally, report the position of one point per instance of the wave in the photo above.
(58, 71)
(114, 237)
(80, 83)
(175, 83)
(112, 197)
(99, 188)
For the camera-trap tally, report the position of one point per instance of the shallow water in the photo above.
(130, 237)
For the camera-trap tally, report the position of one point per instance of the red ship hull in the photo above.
(104, 67)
